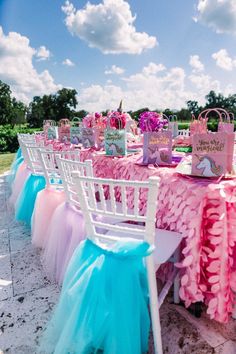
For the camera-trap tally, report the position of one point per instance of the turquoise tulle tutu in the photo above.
(25, 202)
(103, 306)
(14, 167)
(18, 153)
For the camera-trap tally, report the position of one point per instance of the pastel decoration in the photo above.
(25, 202)
(98, 311)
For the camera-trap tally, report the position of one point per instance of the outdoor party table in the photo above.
(205, 213)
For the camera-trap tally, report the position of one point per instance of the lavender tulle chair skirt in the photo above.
(66, 230)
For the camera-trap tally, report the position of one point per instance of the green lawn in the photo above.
(5, 162)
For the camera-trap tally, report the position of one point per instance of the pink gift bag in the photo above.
(212, 153)
(226, 123)
(64, 130)
(199, 125)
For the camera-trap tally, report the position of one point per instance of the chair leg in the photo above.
(154, 305)
(176, 289)
(177, 278)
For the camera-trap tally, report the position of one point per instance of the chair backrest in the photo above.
(50, 168)
(66, 169)
(108, 192)
(184, 132)
(27, 138)
(31, 157)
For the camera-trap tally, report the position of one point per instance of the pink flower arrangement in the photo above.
(93, 120)
(117, 120)
(151, 122)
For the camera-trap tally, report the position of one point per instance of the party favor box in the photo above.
(212, 154)
(157, 147)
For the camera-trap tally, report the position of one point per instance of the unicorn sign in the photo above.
(212, 154)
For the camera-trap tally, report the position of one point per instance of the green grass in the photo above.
(5, 162)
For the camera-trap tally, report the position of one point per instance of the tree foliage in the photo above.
(55, 107)
(11, 111)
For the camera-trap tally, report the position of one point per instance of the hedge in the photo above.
(8, 137)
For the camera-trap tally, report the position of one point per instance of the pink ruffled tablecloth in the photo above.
(205, 213)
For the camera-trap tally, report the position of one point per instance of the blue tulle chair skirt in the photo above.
(18, 153)
(14, 167)
(103, 304)
(25, 202)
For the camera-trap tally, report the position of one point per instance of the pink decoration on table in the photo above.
(152, 122)
(117, 120)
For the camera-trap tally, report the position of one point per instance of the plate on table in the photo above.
(184, 168)
(175, 161)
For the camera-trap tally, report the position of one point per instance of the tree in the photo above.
(194, 108)
(18, 112)
(65, 100)
(54, 107)
(184, 115)
(5, 103)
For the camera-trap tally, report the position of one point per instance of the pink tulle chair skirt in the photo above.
(46, 203)
(22, 174)
(64, 233)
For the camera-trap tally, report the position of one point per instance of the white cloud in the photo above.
(17, 70)
(220, 15)
(202, 85)
(195, 63)
(223, 60)
(43, 53)
(108, 26)
(163, 90)
(169, 88)
(68, 62)
(152, 68)
(114, 70)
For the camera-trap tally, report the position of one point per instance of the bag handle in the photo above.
(174, 117)
(63, 121)
(75, 121)
(220, 112)
(49, 123)
(109, 122)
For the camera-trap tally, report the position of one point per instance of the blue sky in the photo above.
(150, 53)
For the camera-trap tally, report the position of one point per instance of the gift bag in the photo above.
(75, 131)
(226, 123)
(100, 138)
(88, 136)
(157, 147)
(52, 133)
(64, 130)
(115, 139)
(212, 154)
(50, 130)
(173, 125)
(199, 125)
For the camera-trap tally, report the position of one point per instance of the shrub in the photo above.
(8, 137)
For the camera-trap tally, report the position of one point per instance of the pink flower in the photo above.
(151, 122)
(117, 120)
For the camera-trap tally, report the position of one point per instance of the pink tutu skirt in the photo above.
(22, 174)
(45, 205)
(64, 233)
